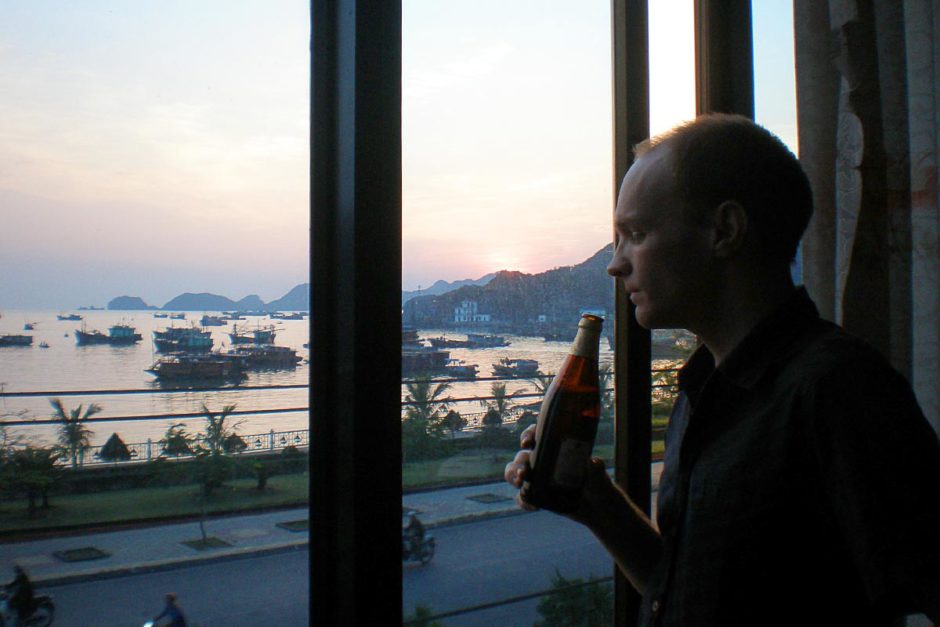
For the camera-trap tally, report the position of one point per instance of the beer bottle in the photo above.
(567, 425)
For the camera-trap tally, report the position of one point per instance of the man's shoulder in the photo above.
(826, 351)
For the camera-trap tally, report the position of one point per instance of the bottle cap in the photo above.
(590, 321)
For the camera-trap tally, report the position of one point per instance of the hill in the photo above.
(546, 302)
(442, 287)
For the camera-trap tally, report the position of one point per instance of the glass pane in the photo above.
(672, 63)
(775, 79)
(154, 162)
(507, 162)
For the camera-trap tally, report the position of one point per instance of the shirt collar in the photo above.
(760, 349)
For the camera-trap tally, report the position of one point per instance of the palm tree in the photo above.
(500, 405)
(423, 427)
(73, 433)
(424, 398)
(217, 432)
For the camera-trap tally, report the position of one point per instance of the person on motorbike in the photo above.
(415, 531)
(20, 595)
(172, 612)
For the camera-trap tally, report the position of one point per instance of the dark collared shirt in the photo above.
(801, 484)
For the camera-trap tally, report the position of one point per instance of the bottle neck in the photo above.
(585, 343)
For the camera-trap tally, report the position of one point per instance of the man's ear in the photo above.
(730, 223)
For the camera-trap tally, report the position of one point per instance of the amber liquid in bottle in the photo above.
(567, 425)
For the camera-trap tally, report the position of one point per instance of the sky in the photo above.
(150, 148)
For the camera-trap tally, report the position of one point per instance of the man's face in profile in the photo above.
(662, 258)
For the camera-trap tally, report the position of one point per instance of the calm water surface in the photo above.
(64, 366)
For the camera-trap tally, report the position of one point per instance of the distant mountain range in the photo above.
(298, 299)
(442, 287)
(533, 304)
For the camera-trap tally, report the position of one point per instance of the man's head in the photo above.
(722, 157)
(713, 197)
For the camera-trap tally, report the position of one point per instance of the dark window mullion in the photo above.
(355, 150)
(630, 38)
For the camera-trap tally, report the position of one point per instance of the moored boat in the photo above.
(16, 340)
(263, 357)
(418, 361)
(212, 321)
(461, 369)
(516, 368)
(182, 339)
(118, 335)
(260, 335)
(190, 367)
(480, 340)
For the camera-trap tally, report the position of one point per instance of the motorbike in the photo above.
(43, 611)
(422, 553)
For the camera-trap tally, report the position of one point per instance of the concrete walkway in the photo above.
(52, 561)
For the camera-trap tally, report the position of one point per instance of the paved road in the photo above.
(475, 563)
(268, 590)
(498, 559)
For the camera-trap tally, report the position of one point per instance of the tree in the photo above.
(114, 450)
(176, 441)
(213, 466)
(525, 420)
(576, 603)
(422, 431)
(74, 435)
(499, 406)
(454, 422)
(32, 470)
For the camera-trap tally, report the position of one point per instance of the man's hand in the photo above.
(624, 530)
(596, 493)
(517, 471)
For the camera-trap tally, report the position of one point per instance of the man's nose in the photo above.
(619, 266)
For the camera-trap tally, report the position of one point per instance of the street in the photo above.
(475, 563)
(268, 590)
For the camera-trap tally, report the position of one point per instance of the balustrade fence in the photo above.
(272, 440)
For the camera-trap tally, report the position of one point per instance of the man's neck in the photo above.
(740, 308)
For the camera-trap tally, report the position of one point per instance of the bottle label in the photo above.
(571, 463)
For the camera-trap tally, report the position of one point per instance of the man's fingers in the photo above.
(517, 469)
(527, 437)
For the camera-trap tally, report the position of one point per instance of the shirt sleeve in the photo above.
(880, 466)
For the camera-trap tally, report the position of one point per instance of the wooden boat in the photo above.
(516, 368)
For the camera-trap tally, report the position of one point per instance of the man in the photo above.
(20, 592)
(171, 612)
(800, 479)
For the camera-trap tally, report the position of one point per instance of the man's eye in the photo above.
(636, 237)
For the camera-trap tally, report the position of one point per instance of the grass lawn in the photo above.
(147, 503)
(479, 465)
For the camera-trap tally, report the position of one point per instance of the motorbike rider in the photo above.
(20, 595)
(415, 532)
(172, 612)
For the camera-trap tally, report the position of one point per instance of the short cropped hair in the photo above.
(719, 157)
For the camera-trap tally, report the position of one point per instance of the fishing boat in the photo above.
(212, 321)
(410, 340)
(16, 340)
(259, 335)
(479, 340)
(461, 369)
(182, 340)
(118, 335)
(68, 317)
(516, 368)
(264, 357)
(190, 367)
(43, 345)
(417, 361)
